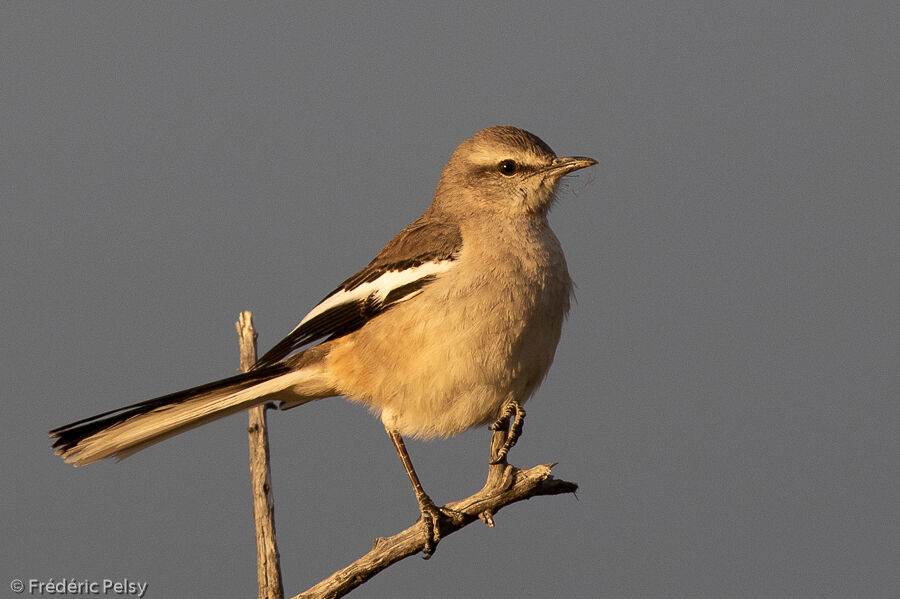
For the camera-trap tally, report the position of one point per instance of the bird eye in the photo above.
(507, 167)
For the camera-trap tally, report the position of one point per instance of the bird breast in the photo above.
(484, 332)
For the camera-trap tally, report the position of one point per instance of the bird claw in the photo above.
(511, 408)
(431, 520)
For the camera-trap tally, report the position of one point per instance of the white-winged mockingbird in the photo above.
(453, 325)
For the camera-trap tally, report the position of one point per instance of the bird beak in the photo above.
(566, 164)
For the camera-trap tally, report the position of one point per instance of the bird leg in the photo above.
(431, 514)
(515, 431)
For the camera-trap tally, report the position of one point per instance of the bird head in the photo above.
(504, 170)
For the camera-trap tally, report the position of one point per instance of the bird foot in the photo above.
(511, 408)
(431, 520)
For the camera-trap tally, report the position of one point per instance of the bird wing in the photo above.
(409, 262)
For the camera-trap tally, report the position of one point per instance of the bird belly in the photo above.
(448, 360)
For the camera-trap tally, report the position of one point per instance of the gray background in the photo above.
(726, 388)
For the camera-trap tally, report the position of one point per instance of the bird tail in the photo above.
(122, 432)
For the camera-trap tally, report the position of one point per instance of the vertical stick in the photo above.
(268, 564)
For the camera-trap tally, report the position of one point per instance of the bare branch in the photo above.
(505, 485)
(267, 561)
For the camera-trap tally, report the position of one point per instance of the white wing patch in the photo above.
(380, 287)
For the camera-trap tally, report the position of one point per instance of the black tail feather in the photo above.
(69, 435)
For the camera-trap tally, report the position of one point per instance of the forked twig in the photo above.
(505, 484)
